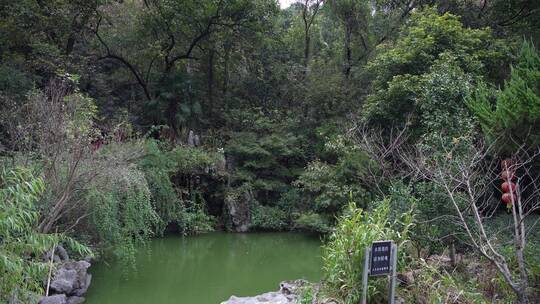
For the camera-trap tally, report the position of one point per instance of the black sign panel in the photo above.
(380, 257)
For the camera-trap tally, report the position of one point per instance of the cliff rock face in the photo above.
(237, 203)
(287, 294)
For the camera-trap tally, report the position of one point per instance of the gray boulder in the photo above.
(221, 165)
(267, 298)
(72, 278)
(64, 280)
(292, 287)
(191, 138)
(55, 299)
(60, 255)
(238, 207)
(287, 294)
(83, 288)
(75, 300)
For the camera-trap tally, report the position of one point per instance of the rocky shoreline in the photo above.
(288, 293)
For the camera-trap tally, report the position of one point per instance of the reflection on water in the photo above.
(208, 269)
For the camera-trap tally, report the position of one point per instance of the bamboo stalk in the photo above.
(50, 270)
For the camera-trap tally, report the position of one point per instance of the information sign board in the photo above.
(380, 258)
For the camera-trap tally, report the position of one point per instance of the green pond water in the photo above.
(207, 269)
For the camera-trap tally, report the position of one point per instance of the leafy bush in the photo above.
(196, 220)
(267, 218)
(292, 201)
(21, 271)
(343, 254)
(328, 187)
(433, 232)
(312, 222)
(55, 127)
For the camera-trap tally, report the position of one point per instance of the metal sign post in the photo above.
(380, 260)
(365, 273)
(392, 288)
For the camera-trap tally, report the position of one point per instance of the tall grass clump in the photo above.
(343, 254)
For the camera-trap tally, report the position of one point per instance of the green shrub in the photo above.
(267, 218)
(329, 183)
(196, 221)
(312, 222)
(343, 254)
(189, 160)
(434, 229)
(328, 186)
(195, 218)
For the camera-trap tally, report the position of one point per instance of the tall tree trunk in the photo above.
(347, 50)
(307, 41)
(210, 83)
(226, 62)
(309, 12)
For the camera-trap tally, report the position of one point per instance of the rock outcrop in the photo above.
(60, 255)
(71, 278)
(54, 299)
(287, 293)
(69, 282)
(238, 203)
(193, 140)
